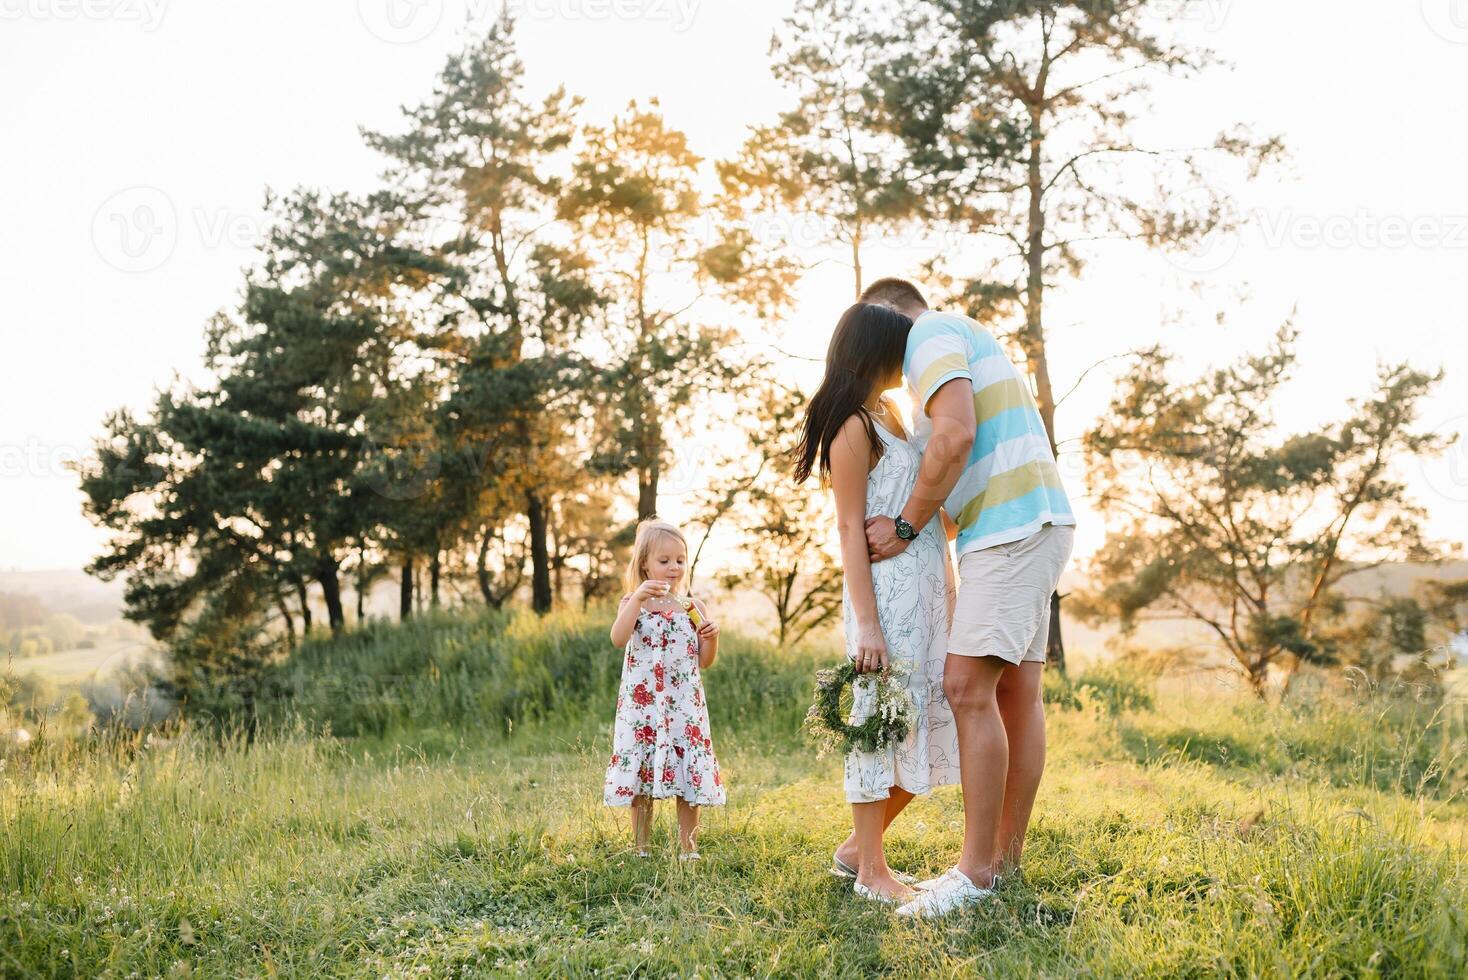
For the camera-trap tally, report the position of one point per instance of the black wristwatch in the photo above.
(904, 529)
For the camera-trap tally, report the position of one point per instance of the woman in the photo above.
(896, 612)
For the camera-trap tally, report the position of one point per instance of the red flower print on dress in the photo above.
(644, 775)
(657, 673)
(692, 733)
(667, 774)
(697, 780)
(647, 735)
(641, 695)
(624, 791)
(718, 780)
(631, 661)
(678, 751)
(616, 758)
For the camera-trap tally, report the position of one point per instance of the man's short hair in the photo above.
(896, 293)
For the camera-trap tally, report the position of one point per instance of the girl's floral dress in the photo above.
(661, 747)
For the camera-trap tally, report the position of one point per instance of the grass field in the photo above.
(427, 803)
(93, 663)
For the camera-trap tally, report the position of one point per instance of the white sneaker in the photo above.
(928, 884)
(949, 893)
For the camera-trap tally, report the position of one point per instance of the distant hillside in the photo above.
(1402, 579)
(70, 591)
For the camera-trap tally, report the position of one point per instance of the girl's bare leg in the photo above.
(641, 821)
(687, 827)
(849, 853)
(869, 820)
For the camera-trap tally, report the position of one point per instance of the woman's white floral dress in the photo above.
(912, 607)
(661, 745)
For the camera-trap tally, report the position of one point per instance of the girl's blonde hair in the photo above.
(649, 533)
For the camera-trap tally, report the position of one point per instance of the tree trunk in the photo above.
(557, 563)
(540, 584)
(332, 592)
(1033, 338)
(1291, 673)
(290, 622)
(647, 475)
(304, 598)
(481, 569)
(405, 590)
(1055, 643)
(435, 569)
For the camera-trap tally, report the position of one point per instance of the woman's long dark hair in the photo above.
(865, 350)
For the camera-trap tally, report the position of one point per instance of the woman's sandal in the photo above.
(862, 891)
(840, 869)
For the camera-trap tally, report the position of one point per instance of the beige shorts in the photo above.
(1003, 606)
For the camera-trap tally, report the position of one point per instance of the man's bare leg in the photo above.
(970, 683)
(1023, 712)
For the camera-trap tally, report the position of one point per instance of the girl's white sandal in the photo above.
(840, 869)
(862, 891)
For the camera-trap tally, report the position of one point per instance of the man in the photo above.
(987, 459)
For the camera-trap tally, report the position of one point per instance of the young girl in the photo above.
(661, 746)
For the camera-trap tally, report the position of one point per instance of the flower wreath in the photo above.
(887, 725)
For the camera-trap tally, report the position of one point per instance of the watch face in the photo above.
(904, 530)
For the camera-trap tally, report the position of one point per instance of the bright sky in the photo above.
(172, 116)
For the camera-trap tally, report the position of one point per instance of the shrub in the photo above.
(1118, 686)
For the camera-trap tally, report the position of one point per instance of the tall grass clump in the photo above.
(491, 672)
(1370, 739)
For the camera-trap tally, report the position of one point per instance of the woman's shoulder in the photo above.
(853, 435)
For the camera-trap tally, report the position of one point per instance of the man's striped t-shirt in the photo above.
(1010, 487)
